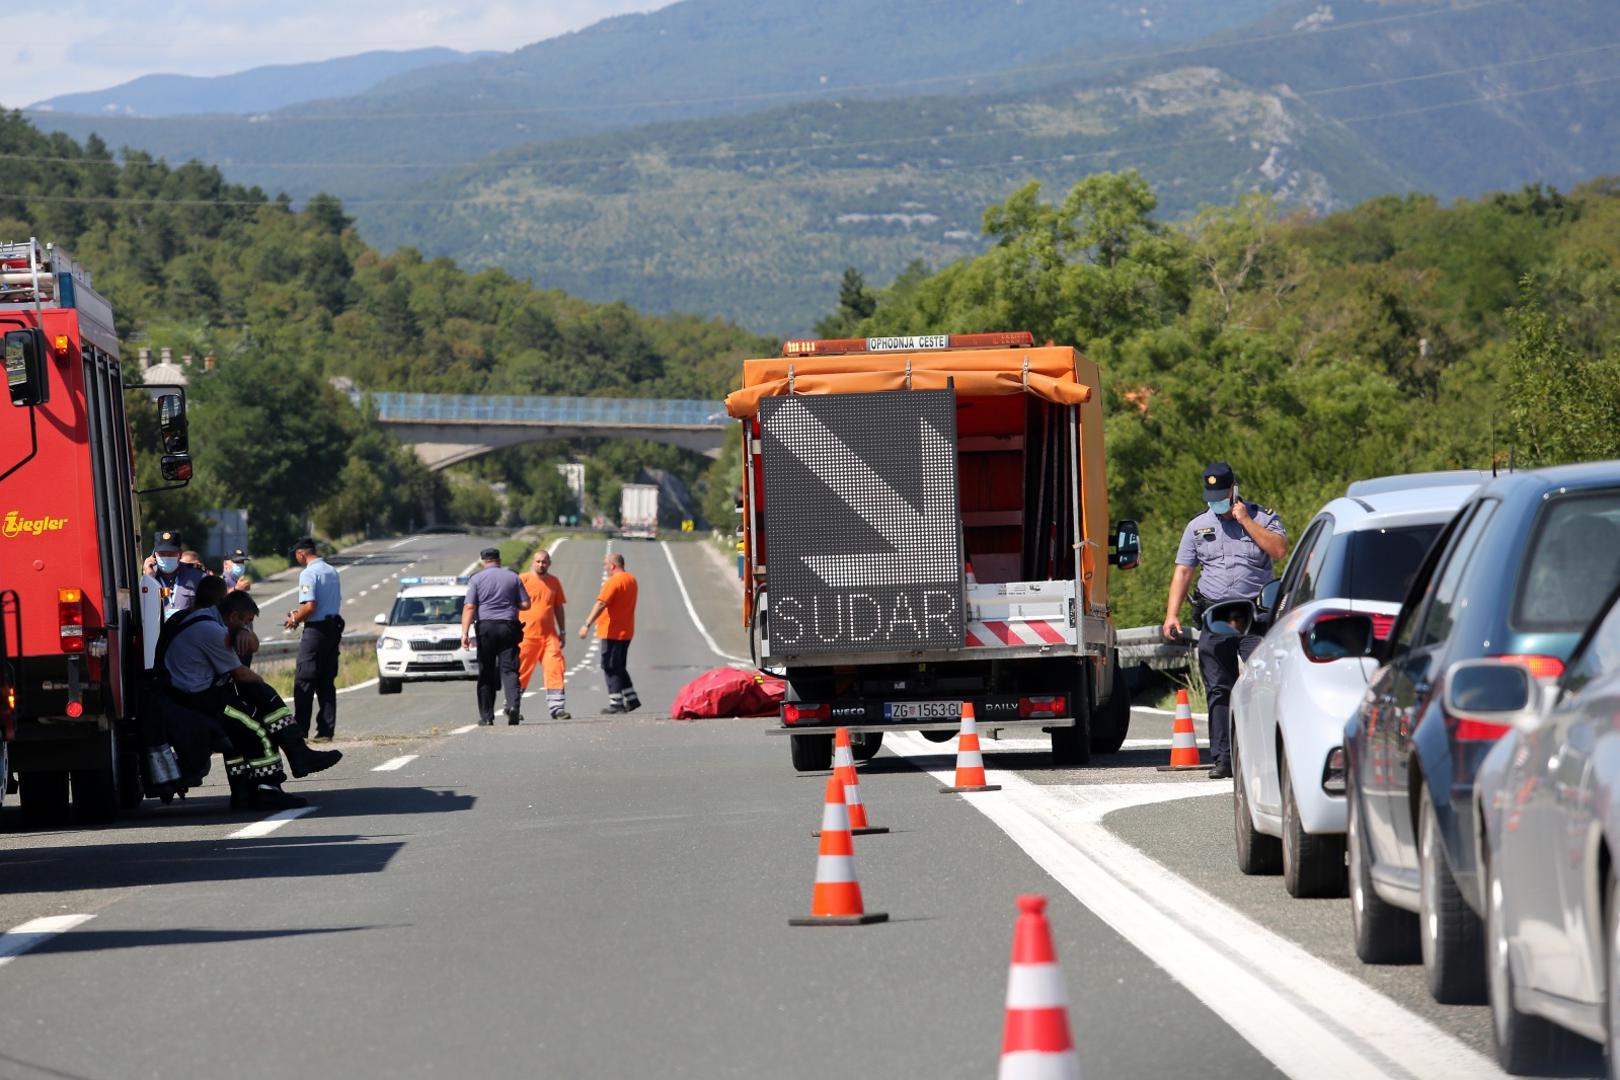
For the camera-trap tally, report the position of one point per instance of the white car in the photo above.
(421, 641)
(1302, 682)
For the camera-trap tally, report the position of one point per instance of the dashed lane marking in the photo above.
(1307, 1017)
(35, 932)
(395, 764)
(463, 729)
(270, 824)
(396, 545)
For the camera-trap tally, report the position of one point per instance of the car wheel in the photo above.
(1524, 1043)
(1452, 938)
(811, 753)
(865, 746)
(1312, 865)
(389, 686)
(1257, 853)
(1384, 934)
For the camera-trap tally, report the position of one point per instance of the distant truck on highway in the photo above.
(638, 511)
(925, 523)
(81, 621)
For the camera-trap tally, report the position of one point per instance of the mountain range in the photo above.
(731, 158)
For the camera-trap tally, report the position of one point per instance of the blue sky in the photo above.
(71, 45)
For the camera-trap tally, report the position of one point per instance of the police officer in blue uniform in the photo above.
(320, 604)
(177, 581)
(1234, 544)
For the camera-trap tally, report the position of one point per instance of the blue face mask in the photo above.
(168, 563)
(1222, 507)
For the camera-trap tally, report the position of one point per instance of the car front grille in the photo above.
(442, 645)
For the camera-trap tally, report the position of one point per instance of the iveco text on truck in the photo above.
(926, 523)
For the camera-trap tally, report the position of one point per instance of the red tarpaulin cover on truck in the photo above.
(728, 692)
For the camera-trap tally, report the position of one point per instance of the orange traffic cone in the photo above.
(836, 900)
(1035, 1042)
(844, 769)
(969, 761)
(1183, 740)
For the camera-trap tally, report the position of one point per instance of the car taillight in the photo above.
(794, 713)
(70, 618)
(1382, 626)
(1542, 667)
(1040, 708)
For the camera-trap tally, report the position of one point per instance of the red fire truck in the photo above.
(70, 576)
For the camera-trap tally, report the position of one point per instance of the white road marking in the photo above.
(470, 567)
(395, 764)
(401, 543)
(358, 686)
(692, 611)
(1306, 1016)
(270, 824)
(1164, 712)
(463, 729)
(35, 932)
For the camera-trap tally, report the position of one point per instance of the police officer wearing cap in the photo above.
(1234, 545)
(319, 612)
(177, 581)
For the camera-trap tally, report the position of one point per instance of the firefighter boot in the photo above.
(301, 759)
(271, 797)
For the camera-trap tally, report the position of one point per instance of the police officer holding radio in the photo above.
(1234, 545)
(319, 612)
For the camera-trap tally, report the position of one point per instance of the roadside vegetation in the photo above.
(356, 664)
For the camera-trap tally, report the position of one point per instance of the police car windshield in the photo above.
(421, 610)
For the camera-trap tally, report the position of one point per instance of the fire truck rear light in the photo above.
(75, 709)
(70, 620)
(917, 343)
(60, 343)
(1043, 708)
(1542, 667)
(798, 713)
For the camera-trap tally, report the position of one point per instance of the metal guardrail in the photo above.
(284, 650)
(1145, 646)
(483, 408)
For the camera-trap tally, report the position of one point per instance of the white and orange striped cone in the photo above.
(969, 759)
(836, 900)
(1035, 1041)
(1183, 740)
(844, 769)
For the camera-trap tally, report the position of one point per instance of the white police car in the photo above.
(422, 639)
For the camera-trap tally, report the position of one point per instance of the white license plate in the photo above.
(922, 710)
(435, 657)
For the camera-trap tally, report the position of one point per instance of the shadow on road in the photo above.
(215, 809)
(99, 940)
(121, 865)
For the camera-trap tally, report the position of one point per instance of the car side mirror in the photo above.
(381, 620)
(1126, 545)
(1268, 596)
(1233, 618)
(1338, 635)
(1492, 691)
(27, 375)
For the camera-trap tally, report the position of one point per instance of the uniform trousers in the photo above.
(616, 671)
(315, 678)
(255, 720)
(498, 666)
(1218, 662)
(544, 651)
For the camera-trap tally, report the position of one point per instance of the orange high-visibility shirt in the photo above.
(618, 619)
(545, 594)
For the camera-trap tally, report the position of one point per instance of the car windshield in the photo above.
(1574, 563)
(1381, 562)
(420, 610)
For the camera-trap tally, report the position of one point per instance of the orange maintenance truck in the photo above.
(77, 641)
(925, 523)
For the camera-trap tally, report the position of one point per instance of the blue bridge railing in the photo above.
(475, 408)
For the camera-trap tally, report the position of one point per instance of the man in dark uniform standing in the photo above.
(319, 612)
(177, 581)
(495, 595)
(1234, 545)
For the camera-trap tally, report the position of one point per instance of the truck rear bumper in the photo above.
(986, 727)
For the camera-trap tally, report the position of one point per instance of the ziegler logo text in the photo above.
(17, 525)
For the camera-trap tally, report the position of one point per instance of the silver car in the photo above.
(1548, 811)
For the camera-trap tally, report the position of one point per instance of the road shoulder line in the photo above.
(270, 824)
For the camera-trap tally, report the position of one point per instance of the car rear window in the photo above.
(1381, 563)
(1573, 564)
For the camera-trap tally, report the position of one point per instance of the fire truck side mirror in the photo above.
(172, 426)
(27, 377)
(1126, 544)
(176, 468)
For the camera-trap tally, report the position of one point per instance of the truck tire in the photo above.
(866, 745)
(938, 736)
(129, 777)
(1071, 746)
(44, 798)
(389, 686)
(95, 791)
(1113, 720)
(811, 753)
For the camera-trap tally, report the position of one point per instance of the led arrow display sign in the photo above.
(862, 522)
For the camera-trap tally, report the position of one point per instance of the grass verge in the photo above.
(356, 664)
(1192, 681)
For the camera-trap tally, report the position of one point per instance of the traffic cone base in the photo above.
(1184, 756)
(974, 787)
(840, 920)
(870, 830)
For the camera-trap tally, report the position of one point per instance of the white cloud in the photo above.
(73, 45)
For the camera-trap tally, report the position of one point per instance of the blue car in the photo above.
(1519, 572)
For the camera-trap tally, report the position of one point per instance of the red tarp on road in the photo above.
(728, 692)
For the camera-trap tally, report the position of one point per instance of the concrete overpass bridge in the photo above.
(448, 428)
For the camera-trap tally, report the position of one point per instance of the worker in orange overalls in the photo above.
(543, 629)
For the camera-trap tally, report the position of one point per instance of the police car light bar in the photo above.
(917, 343)
(442, 579)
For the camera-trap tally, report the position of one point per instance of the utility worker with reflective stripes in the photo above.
(1234, 545)
(544, 625)
(204, 673)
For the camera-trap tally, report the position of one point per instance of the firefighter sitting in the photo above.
(204, 673)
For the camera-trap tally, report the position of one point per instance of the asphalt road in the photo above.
(609, 896)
